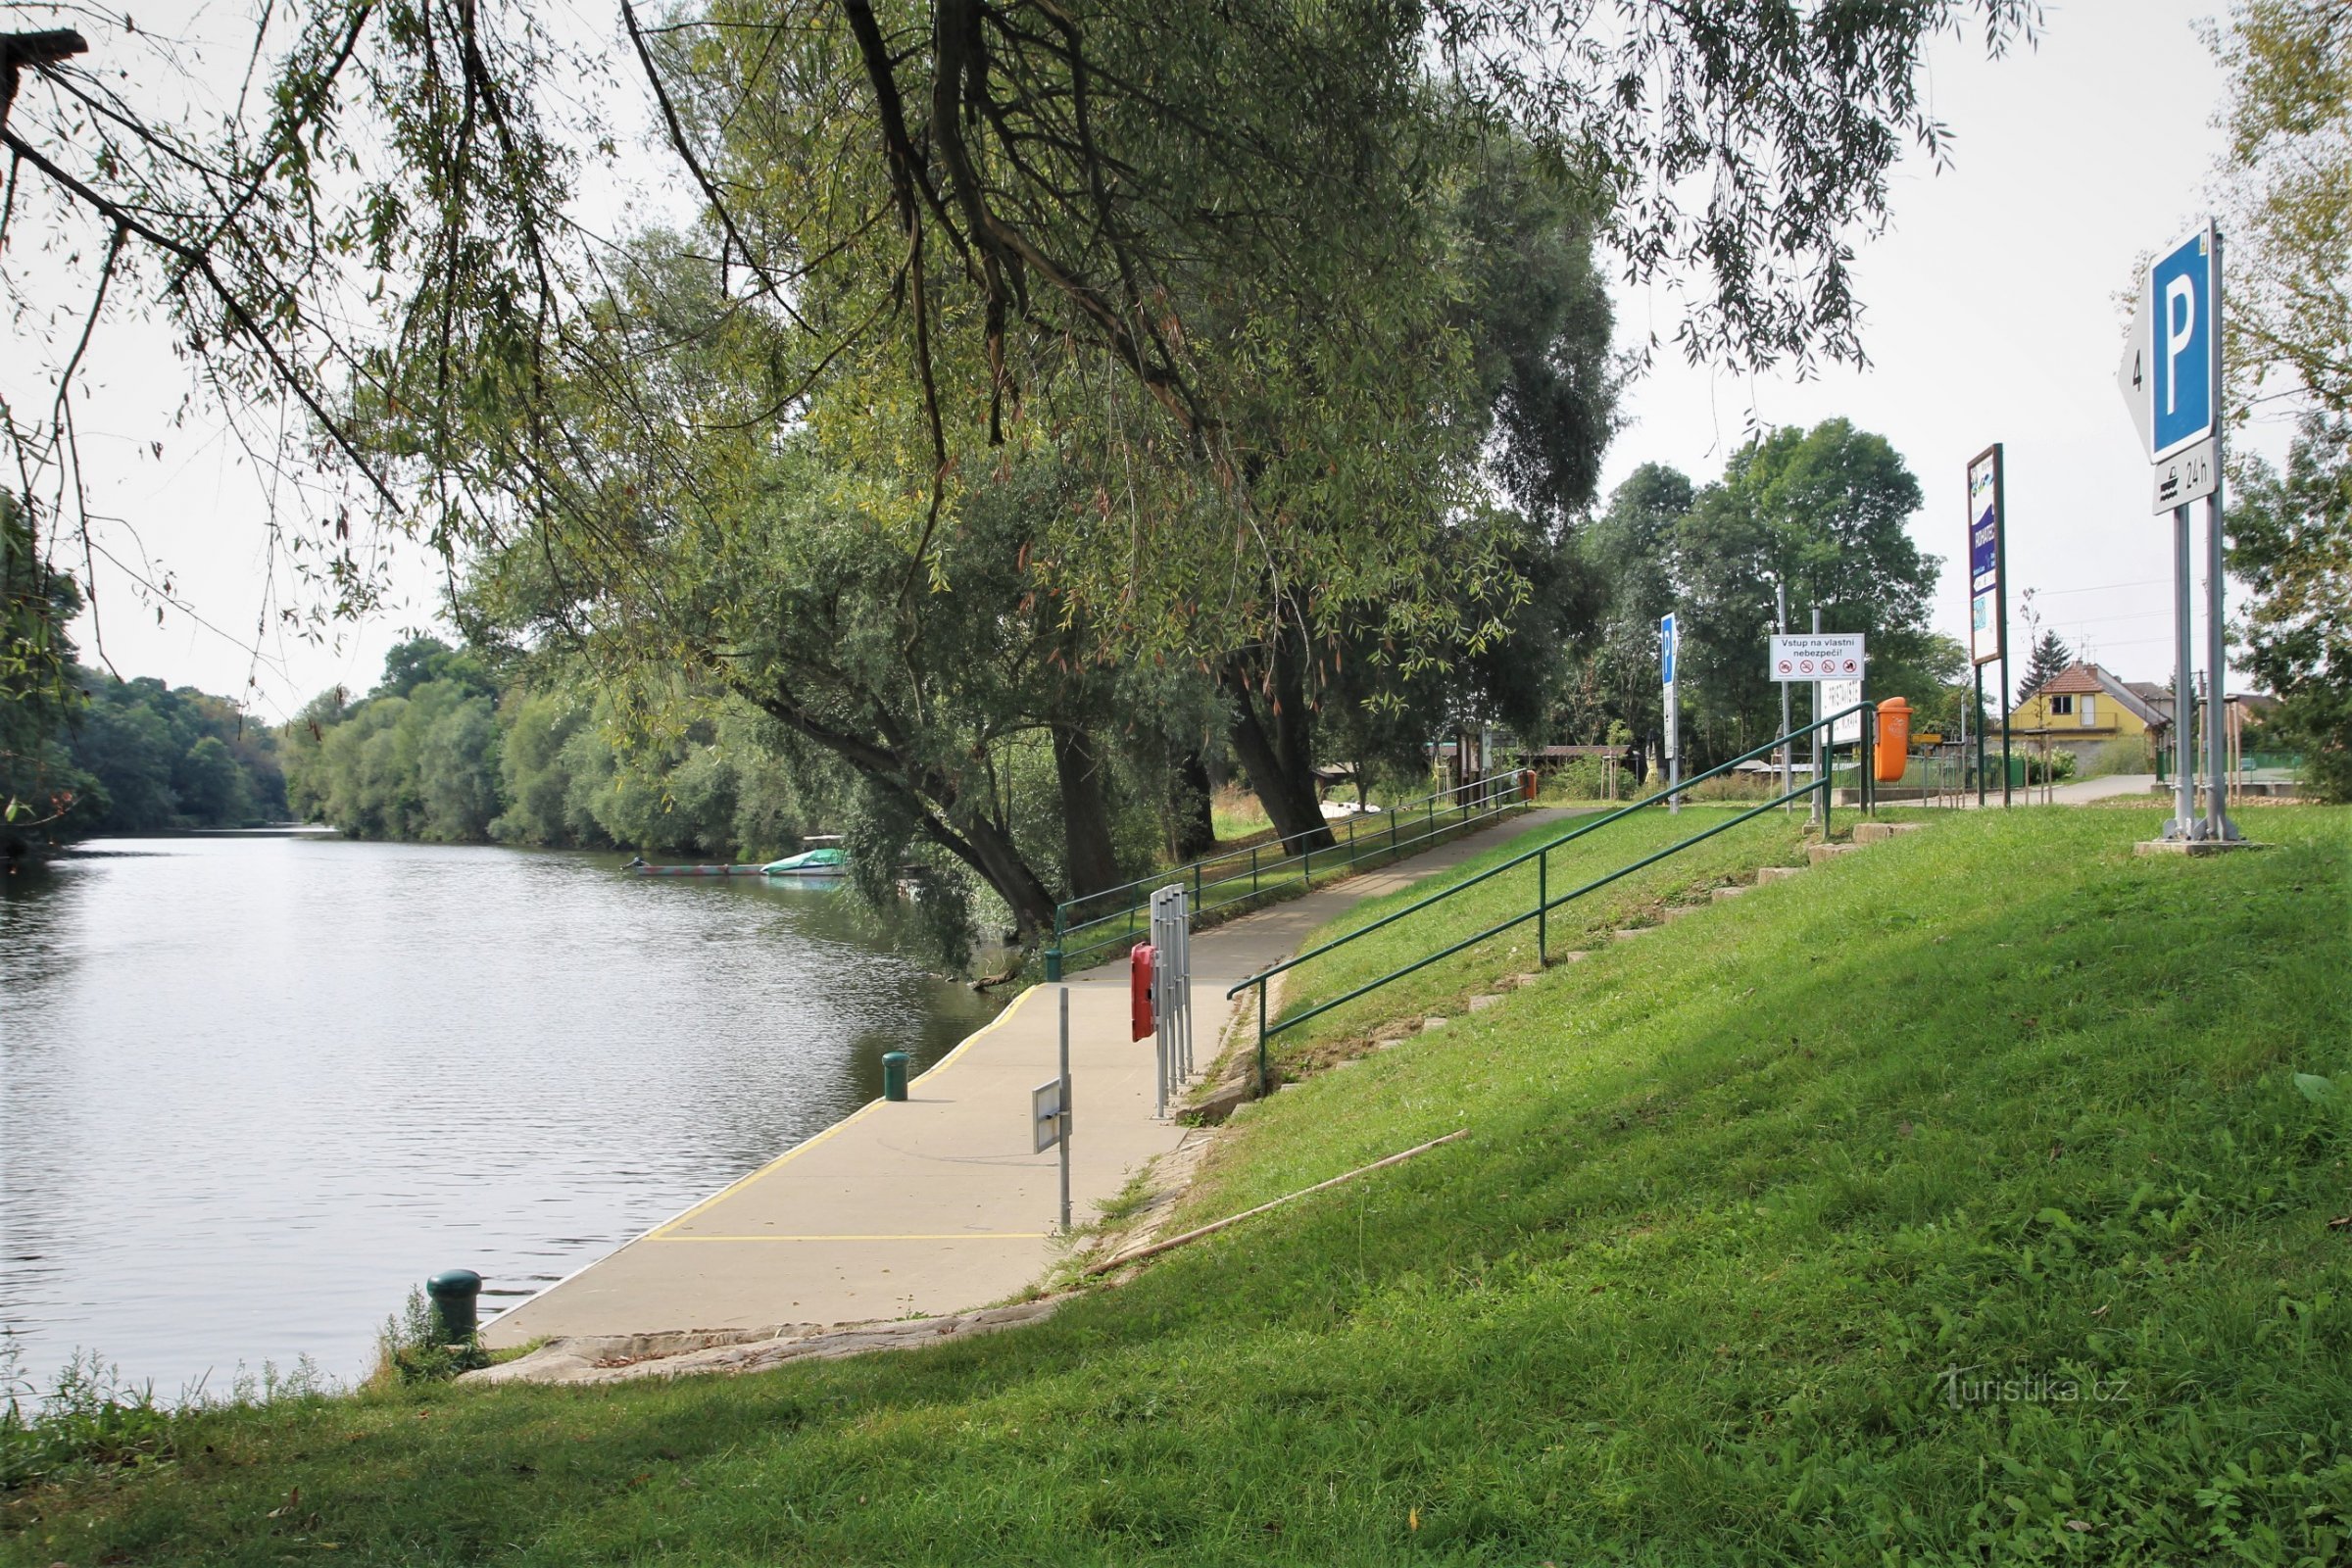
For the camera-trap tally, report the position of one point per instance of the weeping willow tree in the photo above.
(1202, 266)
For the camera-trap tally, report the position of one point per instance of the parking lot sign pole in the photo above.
(2185, 696)
(2217, 683)
(2172, 379)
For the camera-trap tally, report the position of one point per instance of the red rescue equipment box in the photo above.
(1893, 749)
(1139, 990)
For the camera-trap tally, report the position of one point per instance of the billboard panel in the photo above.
(1985, 555)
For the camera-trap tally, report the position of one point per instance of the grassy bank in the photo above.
(1968, 1199)
(1591, 852)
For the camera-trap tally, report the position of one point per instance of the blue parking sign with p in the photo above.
(2181, 291)
(1666, 649)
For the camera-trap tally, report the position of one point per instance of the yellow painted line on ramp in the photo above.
(660, 1232)
(943, 1236)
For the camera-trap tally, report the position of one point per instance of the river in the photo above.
(253, 1090)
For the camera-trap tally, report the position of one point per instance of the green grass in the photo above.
(1640, 898)
(1237, 882)
(1740, 1202)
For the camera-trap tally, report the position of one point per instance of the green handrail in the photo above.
(1479, 801)
(1540, 854)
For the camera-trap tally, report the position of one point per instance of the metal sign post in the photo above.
(1050, 1111)
(1780, 623)
(2218, 826)
(1669, 647)
(1171, 993)
(1824, 658)
(1989, 596)
(2172, 379)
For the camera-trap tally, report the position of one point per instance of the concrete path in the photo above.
(2084, 791)
(937, 1204)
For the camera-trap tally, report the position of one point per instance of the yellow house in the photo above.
(2085, 711)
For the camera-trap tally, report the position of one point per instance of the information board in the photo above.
(1985, 556)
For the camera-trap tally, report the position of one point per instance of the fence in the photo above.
(1544, 903)
(1096, 924)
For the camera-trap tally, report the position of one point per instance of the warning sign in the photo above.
(1818, 656)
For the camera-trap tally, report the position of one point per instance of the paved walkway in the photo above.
(938, 1205)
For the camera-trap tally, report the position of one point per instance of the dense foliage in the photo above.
(83, 753)
(1820, 511)
(2288, 179)
(2290, 541)
(39, 782)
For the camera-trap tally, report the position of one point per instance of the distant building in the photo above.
(2106, 723)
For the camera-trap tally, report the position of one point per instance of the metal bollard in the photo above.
(893, 1075)
(452, 1293)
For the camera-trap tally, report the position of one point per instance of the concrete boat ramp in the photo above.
(937, 1204)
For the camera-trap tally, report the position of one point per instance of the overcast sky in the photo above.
(1991, 315)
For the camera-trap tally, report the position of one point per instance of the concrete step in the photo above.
(1731, 892)
(1819, 853)
(1777, 873)
(1880, 832)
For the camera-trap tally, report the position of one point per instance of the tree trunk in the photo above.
(979, 844)
(880, 756)
(1273, 735)
(1091, 859)
(1190, 790)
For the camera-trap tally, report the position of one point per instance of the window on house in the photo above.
(2090, 712)
(2062, 704)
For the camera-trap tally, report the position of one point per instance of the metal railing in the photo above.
(1544, 903)
(1097, 923)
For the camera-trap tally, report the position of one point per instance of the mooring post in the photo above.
(454, 1293)
(893, 1075)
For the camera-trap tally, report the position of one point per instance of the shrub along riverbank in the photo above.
(1966, 1199)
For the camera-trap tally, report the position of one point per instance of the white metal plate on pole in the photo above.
(1836, 695)
(1818, 656)
(2189, 475)
(1045, 1110)
(1673, 723)
(2135, 375)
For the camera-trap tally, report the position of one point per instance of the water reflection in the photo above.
(252, 1089)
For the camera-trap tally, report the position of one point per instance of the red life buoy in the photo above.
(1139, 990)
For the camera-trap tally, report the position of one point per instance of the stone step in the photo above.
(1777, 873)
(1819, 853)
(1880, 832)
(1731, 892)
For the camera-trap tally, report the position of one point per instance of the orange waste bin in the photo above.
(1893, 746)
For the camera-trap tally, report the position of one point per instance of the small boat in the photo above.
(644, 869)
(825, 862)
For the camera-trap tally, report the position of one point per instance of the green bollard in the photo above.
(893, 1075)
(453, 1293)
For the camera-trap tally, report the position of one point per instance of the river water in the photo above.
(254, 1090)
